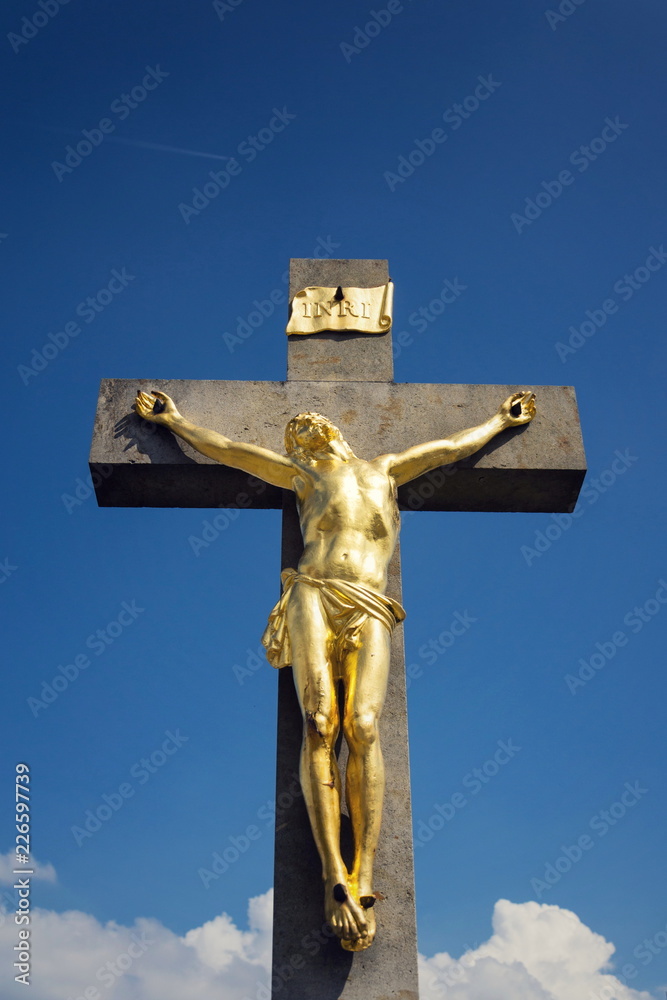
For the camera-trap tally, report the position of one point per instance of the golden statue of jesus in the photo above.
(333, 623)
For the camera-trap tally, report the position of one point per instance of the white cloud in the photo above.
(8, 864)
(218, 942)
(536, 952)
(74, 952)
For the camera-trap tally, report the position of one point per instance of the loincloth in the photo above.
(347, 607)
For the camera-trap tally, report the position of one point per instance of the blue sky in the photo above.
(543, 197)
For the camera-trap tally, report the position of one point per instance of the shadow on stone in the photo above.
(150, 439)
(493, 445)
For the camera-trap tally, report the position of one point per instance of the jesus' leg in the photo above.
(310, 638)
(366, 674)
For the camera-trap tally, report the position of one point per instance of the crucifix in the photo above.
(333, 632)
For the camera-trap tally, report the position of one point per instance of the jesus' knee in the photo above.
(362, 729)
(321, 727)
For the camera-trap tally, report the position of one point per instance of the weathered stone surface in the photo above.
(324, 971)
(388, 970)
(538, 467)
(339, 357)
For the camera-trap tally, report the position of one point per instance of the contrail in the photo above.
(165, 149)
(145, 145)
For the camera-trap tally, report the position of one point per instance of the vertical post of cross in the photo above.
(308, 963)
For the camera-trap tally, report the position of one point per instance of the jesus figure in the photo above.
(333, 623)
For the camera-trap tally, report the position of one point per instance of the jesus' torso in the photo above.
(349, 520)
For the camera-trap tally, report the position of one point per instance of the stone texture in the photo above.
(539, 467)
(325, 971)
(339, 357)
(535, 468)
(388, 970)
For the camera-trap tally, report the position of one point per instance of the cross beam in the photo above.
(539, 467)
(347, 377)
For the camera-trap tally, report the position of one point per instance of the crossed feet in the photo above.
(349, 913)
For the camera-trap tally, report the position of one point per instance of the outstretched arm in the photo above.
(267, 465)
(519, 408)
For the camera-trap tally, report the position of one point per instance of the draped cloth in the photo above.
(347, 607)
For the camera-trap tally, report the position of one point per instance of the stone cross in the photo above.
(349, 378)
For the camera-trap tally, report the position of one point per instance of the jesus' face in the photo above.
(310, 433)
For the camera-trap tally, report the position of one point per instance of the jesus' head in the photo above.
(310, 434)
